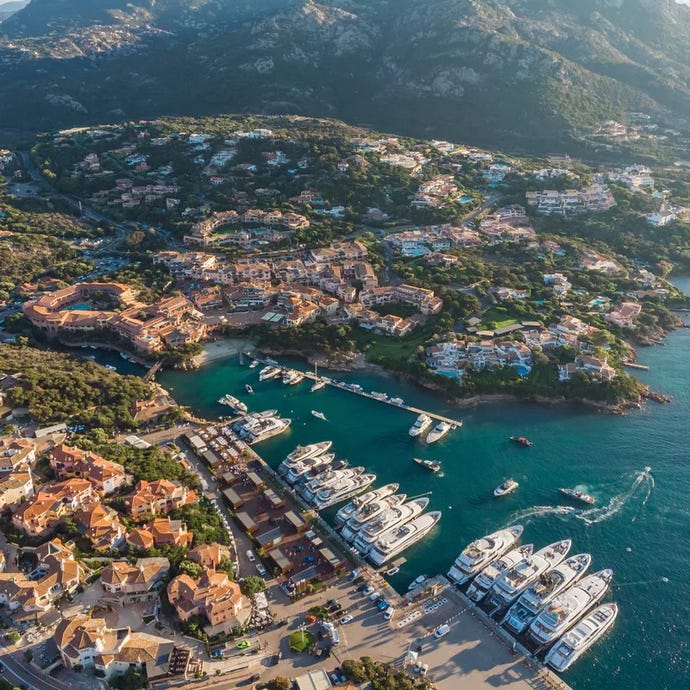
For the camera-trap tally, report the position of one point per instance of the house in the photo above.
(210, 555)
(160, 496)
(134, 583)
(16, 453)
(625, 316)
(40, 514)
(161, 532)
(85, 642)
(214, 595)
(106, 476)
(101, 526)
(662, 217)
(15, 488)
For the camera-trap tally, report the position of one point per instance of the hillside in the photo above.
(524, 73)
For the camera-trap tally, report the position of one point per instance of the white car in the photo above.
(251, 556)
(441, 631)
(346, 619)
(261, 570)
(375, 596)
(389, 613)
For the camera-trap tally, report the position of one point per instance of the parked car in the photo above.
(442, 630)
(346, 619)
(383, 605)
(251, 556)
(375, 596)
(368, 590)
(389, 613)
(261, 570)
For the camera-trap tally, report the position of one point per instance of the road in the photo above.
(18, 670)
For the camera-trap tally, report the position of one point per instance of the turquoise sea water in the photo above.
(640, 525)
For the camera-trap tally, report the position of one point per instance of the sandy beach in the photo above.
(222, 349)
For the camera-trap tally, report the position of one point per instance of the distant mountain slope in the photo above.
(501, 71)
(7, 9)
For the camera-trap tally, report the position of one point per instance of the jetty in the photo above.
(363, 394)
(635, 365)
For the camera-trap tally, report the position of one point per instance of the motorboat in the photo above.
(521, 441)
(235, 404)
(392, 571)
(479, 553)
(317, 386)
(389, 519)
(576, 642)
(547, 588)
(342, 490)
(349, 510)
(292, 377)
(267, 428)
(254, 364)
(484, 581)
(327, 479)
(417, 582)
(305, 469)
(398, 401)
(422, 423)
(248, 388)
(378, 396)
(269, 372)
(401, 538)
(368, 513)
(431, 465)
(304, 452)
(508, 487)
(438, 432)
(569, 607)
(513, 583)
(578, 495)
(319, 415)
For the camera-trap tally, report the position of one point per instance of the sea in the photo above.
(637, 466)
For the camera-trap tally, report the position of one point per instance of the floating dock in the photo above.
(387, 401)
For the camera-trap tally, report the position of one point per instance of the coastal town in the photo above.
(149, 545)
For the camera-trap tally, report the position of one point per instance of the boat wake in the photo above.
(642, 478)
(539, 511)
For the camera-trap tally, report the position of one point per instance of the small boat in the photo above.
(319, 415)
(417, 582)
(508, 486)
(248, 388)
(422, 423)
(318, 385)
(431, 465)
(232, 402)
(268, 372)
(578, 495)
(392, 571)
(254, 364)
(521, 441)
(378, 396)
(110, 367)
(292, 377)
(397, 401)
(438, 432)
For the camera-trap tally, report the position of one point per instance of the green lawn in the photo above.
(386, 347)
(500, 318)
(301, 640)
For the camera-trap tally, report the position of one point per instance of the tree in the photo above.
(253, 585)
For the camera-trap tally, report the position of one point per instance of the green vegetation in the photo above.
(315, 337)
(301, 640)
(381, 676)
(203, 520)
(253, 585)
(57, 387)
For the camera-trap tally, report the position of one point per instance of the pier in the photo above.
(387, 401)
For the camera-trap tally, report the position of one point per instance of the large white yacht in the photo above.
(485, 580)
(481, 552)
(517, 580)
(544, 590)
(438, 432)
(299, 471)
(292, 377)
(347, 511)
(421, 425)
(269, 373)
(262, 428)
(325, 480)
(387, 520)
(400, 538)
(304, 452)
(576, 642)
(567, 608)
(342, 490)
(368, 513)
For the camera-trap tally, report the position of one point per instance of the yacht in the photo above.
(292, 377)
(304, 469)
(268, 428)
(481, 552)
(327, 479)
(542, 592)
(268, 372)
(304, 452)
(370, 512)
(421, 425)
(487, 577)
(342, 490)
(438, 432)
(569, 607)
(319, 415)
(379, 396)
(417, 582)
(431, 465)
(235, 404)
(398, 401)
(519, 579)
(576, 642)
(347, 511)
(254, 364)
(508, 487)
(578, 495)
(400, 538)
(248, 388)
(317, 386)
(389, 519)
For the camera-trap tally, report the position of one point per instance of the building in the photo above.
(88, 643)
(134, 583)
(215, 596)
(106, 476)
(625, 316)
(161, 532)
(156, 497)
(210, 556)
(15, 488)
(16, 453)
